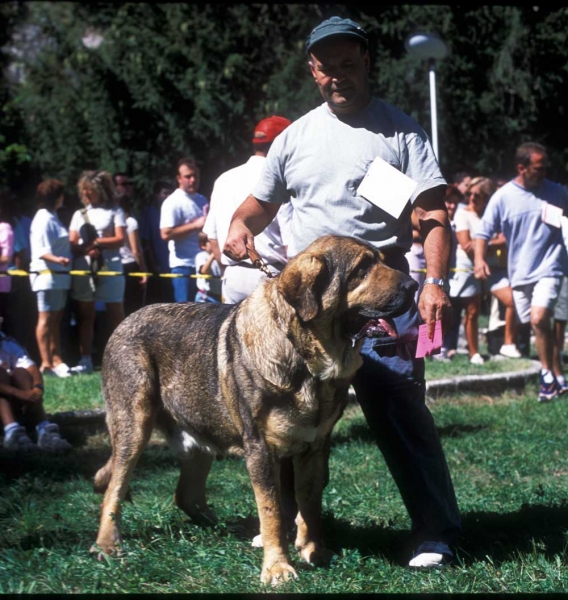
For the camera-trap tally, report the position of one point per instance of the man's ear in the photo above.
(302, 283)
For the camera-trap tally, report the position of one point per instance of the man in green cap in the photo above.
(318, 164)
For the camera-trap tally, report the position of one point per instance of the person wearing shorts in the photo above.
(96, 234)
(527, 210)
(50, 261)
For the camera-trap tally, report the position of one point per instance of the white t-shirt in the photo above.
(465, 220)
(212, 285)
(126, 254)
(178, 209)
(230, 190)
(48, 235)
(104, 220)
(12, 355)
(319, 161)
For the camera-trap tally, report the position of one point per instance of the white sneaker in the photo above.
(49, 439)
(510, 351)
(62, 370)
(430, 555)
(18, 440)
(477, 359)
(84, 367)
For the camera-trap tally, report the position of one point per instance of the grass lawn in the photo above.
(508, 458)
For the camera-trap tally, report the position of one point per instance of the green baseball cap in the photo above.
(336, 26)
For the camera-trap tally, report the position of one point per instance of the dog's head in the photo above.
(345, 281)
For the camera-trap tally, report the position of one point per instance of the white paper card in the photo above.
(552, 215)
(386, 187)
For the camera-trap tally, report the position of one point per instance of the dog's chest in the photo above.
(310, 416)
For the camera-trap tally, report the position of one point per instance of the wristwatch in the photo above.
(443, 283)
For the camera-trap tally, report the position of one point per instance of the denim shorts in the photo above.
(51, 300)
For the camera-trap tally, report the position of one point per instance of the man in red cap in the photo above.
(229, 191)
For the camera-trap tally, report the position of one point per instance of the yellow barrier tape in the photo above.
(452, 270)
(79, 273)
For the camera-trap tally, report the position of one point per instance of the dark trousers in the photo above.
(390, 388)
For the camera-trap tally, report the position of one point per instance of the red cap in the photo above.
(267, 129)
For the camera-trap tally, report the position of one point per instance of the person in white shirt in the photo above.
(230, 190)
(96, 234)
(51, 252)
(181, 219)
(208, 288)
(132, 258)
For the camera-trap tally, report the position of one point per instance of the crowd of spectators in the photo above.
(118, 263)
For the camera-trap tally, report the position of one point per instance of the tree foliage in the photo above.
(176, 79)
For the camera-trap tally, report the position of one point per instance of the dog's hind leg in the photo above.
(190, 492)
(128, 442)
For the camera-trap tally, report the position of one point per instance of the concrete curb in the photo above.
(493, 383)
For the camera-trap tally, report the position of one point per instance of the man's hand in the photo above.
(481, 269)
(434, 305)
(240, 236)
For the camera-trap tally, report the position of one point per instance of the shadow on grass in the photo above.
(361, 432)
(502, 536)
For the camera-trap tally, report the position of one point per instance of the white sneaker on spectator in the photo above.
(18, 439)
(84, 367)
(510, 351)
(62, 370)
(50, 439)
(477, 359)
(430, 555)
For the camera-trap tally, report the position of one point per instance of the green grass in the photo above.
(507, 455)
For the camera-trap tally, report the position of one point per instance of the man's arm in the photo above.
(481, 269)
(181, 231)
(434, 303)
(250, 219)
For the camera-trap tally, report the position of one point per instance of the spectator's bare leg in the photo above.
(55, 341)
(471, 324)
(505, 296)
(86, 327)
(558, 347)
(34, 412)
(6, 413)
(540, 322)
(43, 330)
(115, 311)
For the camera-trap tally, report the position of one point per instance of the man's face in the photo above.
(532, 176)
(123, 184)
(341, 71)
(451, 206)
(188, 179)
(464, 184)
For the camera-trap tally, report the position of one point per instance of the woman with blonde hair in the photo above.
(96, 234)
(479, 191)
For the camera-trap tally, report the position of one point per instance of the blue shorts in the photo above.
(51, 300)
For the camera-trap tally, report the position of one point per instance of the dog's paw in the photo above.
(316, 554)
(257, 541)
(277, 573)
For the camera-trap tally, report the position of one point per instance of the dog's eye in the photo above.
(361, 271)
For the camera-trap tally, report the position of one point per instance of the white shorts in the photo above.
(51, 300)
(239, 282)
(561, 308)
(543, 293)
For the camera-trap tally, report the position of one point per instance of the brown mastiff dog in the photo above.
(264, 379)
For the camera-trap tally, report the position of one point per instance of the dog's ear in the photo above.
(302, 284)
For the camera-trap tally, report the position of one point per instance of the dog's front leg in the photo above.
(264, 474)
(310, 477)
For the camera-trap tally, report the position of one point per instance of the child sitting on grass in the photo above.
(21, 400)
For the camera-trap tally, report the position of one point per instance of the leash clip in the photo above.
(258, 262)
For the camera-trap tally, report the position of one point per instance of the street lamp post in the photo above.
(428, 46)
